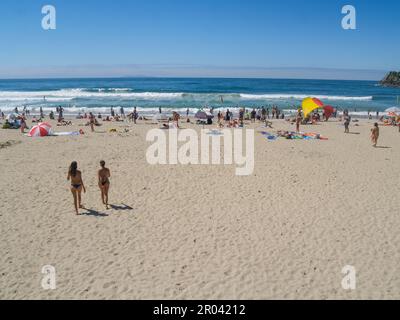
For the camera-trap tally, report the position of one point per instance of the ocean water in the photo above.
(148, 94)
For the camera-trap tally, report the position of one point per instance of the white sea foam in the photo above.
(70, 94)
(124, 94)
(301, 97)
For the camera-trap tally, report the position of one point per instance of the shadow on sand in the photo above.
(382, 147)
(94, 213)
(122, 207)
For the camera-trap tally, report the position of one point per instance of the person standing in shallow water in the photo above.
(75, 176)
(375, 135)
(104, 176)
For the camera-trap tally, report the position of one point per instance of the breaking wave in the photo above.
(65, 95)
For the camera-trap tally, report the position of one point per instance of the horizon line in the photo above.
(188, 71)
(178, 77)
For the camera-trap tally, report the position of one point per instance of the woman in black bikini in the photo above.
(75, 176)
(104, 182)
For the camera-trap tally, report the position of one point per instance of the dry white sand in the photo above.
(200, 232)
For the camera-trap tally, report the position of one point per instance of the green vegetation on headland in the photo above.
(392, 79)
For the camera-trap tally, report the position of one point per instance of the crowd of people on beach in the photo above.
(18, 120)
(227, 118)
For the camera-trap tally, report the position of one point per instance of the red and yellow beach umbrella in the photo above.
(329, 111)
(40, 130)
(310, 104)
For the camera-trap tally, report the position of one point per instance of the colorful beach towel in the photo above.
(315, 136)
(269, 136)
(64, 134)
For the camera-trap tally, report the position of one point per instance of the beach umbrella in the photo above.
(393, 109)
(329, 110)
(203, 115)
(310, 104)
(40, 130)
(11, 117)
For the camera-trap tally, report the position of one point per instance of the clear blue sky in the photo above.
(196, 35)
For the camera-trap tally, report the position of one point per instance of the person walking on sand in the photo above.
(176, 117)
(92, 121)
(375, 135)
(299, 118)
(241, 117)
(347, 120)
(104, 175)
(135, 115)
(75, 176)
(23, 123)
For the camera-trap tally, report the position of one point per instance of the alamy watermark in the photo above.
(196, 150)
(49, 21)
(349, 281)
(349, 21)
(49, 278)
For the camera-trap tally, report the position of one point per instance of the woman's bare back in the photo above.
(77, 179)
(104, 176)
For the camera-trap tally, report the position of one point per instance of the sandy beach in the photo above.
(201, 232)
